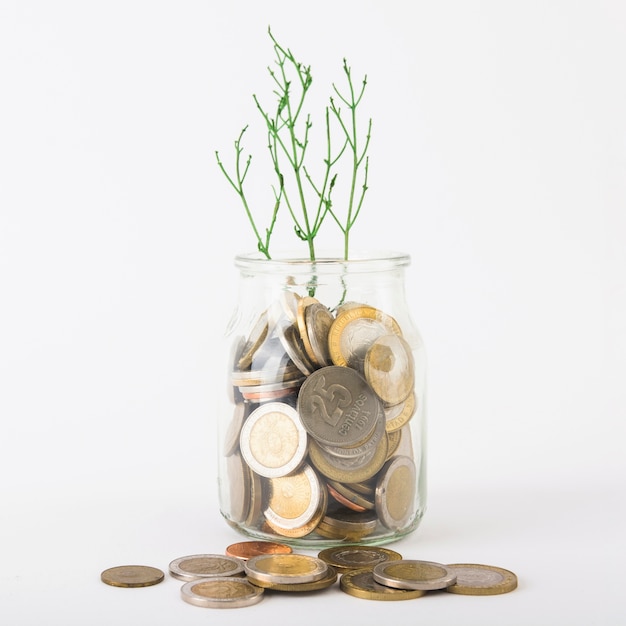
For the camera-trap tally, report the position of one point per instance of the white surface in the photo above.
(497, 161)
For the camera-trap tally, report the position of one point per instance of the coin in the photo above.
(414, 574)
(346, 525)
(348, 558)
(397, 415)
(323, 583)
(247, 549)
(351, 495)
(361, 584)
(200, 566)
(337, 406)
(481, 580)
(132, 576)
(395, 492)
(353, 332)
(231, 439)
(273, 441)
(239, 486)
(255, 340)
(292, 343)
(318, 321)
(286, 568)
(221, 593)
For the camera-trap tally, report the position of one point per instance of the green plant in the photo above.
(309, 201)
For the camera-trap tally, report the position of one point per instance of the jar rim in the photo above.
(360, 260)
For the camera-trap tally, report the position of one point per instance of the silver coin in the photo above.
(337, 406)
(201, 566)
(273, 441)
(221, 593)
(414, 574)
(286, 568)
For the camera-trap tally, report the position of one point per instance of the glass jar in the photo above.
(322, 427)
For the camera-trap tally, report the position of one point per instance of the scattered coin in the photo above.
(414, 574)
(361, 584)
(481, 580)
(132, 576)
(202, 566)
(323, 583)
(221, 593)
(350, 558)
(247, 549)
(286, 568)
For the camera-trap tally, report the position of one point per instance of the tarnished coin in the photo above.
(395, 492)
(200, 566)
(481, 580)
(286, 568)
(221, 593)
(323, 583)
(354, 330)
(349, 558)
(273, 441)
(247, 549)
(361, 584)
(337, 406)
(132, 576)
(390, 368)
(414, 574)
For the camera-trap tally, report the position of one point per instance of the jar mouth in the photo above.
(360, 260)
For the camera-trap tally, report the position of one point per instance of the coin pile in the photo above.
(319, 439)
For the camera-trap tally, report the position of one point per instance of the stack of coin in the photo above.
(318, 443)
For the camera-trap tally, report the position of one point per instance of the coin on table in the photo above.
(354, 330)
(352, 496)
(200, 566)
(481, 580)
(337, 406)
(414, 574)
(323, 583)
(389, 368)
(247, 549)
(286, 568)
(221, 593)
(361, 584)
(395, 492)
(273, 441)
(349, 558)
(132, 576)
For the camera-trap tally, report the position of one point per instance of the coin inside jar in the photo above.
(395, 492)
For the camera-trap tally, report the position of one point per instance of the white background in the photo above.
(498, 163)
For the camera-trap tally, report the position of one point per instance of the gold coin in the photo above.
(323, 583)
(352, 495)
(286, 568)
(318, 322)
(247, 549)
(390, 369)
(253, 343)
(132, 576)
(395, 492)
(393, 439)
(221, 593)
(481, 580)
(361, 584)
(353, 332)
(203, 566)
(414, 574)
(350, 558)
(396, 416)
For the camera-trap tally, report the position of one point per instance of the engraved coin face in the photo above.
(395, 492)
(247, 549)
(273, 441)
(337, 406)
(200, 566)
(221, 593)
(414, 574)
(286, 568)
(354, 330)
(346, 558)
(389, 368)
(481, 580)
(361, 584)
(397, 415)
(132, 576)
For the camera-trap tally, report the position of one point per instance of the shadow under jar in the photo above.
(322, 428)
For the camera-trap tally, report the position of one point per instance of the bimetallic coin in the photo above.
(200, 566)
(221, 593)
(397, 415)
(481, 580)
(354, 330)
(361, 584)
(337, 406)
(390, 369)
(350, 558)
(247, 549)
(286, 568)
(395, 492)
(414, 574)
(323, 583)
(273, 441)
(132, 576)
(346, 525)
